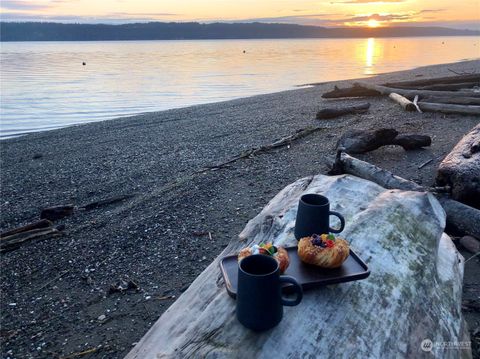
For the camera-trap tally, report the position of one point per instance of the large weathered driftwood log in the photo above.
(449, 87)
(434, 81)
(452, 100)
(384, 90)
(460, 217)
(361, 141)
(368, 90)
(461, 169)
(328, 113)
(413, 292)
(449, 108)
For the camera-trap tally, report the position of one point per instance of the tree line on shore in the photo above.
(50, 31)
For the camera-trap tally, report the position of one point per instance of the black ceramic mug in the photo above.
(313, 216)
(259, 294)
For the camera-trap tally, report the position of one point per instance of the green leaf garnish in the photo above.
(331, 237)
(272, 250)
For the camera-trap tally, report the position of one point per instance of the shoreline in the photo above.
(294, 87)
(159, 237)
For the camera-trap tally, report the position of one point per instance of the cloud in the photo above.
(366, 1)
(430, 10)
(113, 18)
(23, 5)
(147, 14)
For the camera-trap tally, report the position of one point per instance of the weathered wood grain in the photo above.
(461, 169)
(413, 292)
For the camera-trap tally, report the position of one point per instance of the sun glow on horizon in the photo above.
(326, 13)
(373, 23)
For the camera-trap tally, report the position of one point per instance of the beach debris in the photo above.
(355, 91)
(460, 169)
(328, 113)
(82, 353)
(411, 93)
(250, 153)
(361, 141)
(106, 202)
(470, 243)
(452, 95)
(412, 142)
(36, 156)
(44, 223)
(165, 297)
(452, 100)
(14, 241)
(461, 218)
(122, 286)
(425, 163)
(57, 212)
(58, 277)
(420, 84)
(403, 101)
(449, 108)
(101, 318)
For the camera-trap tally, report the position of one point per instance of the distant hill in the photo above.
(44, 31)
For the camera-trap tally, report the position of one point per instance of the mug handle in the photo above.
(342, 222)
(297, 289)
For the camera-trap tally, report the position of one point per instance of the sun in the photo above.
(373, 23)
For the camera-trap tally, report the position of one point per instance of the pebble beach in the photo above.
(58, 295)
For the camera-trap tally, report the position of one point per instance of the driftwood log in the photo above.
(368, 90)
(452, 100)
(328, 113)
(461, 169)
(14, 241)
(449, 108)
(403, 101)
(361, 141)
(413, 293)
(56, 212)
(449, 87)
(44, 223)
(475, 78)
(354, 91)
(412, 142)
(461, 218)
(384, 90)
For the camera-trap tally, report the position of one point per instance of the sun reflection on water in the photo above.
(369, 56)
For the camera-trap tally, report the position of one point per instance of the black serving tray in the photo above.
(308, 276)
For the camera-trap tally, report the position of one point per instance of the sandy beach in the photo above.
(56, 294)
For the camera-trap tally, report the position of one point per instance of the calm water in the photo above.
(44, 84)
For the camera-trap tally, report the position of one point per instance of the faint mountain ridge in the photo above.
(50, 31)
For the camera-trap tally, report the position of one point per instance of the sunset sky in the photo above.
(456, 14)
